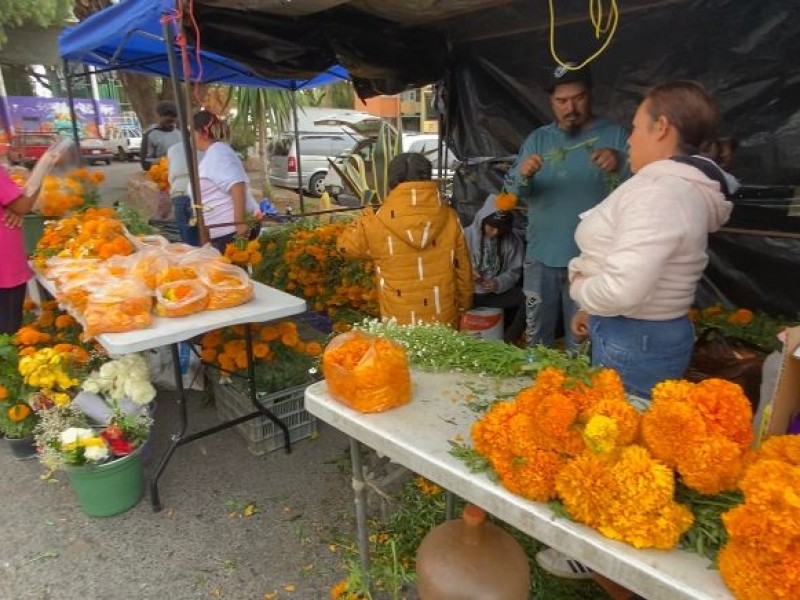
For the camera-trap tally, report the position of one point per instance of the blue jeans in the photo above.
(642, 352)
(183, 214)
(546, 298)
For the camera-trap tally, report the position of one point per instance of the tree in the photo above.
(44, 13)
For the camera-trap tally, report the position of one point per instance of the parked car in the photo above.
(94, 151)
(325, 138)
(124, 143)
(341, 194)
(27, 147)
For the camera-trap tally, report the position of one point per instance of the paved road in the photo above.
(115, 186)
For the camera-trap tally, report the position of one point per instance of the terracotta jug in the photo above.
(471, 559)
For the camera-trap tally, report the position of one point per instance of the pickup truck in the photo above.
(124, 144)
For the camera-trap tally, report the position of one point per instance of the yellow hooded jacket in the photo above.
(422, 266)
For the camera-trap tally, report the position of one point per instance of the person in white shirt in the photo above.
(224, 193)
(179, 191)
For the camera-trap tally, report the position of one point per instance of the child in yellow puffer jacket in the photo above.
(422, 265)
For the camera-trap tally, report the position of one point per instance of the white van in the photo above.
(321, 137)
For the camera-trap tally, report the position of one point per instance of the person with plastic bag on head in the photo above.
(422, 267)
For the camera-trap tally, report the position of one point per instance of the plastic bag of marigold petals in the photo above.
(367, 373)
(181, 298)
(116, 306)
(228, 285)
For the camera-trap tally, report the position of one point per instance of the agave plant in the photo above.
(366, 170)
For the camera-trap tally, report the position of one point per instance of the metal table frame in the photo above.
(268, 304)
(417, 435)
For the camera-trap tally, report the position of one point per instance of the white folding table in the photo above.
(268, 304)
(416, 435)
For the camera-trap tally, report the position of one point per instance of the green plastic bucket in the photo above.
(111, 488)
(32, 231)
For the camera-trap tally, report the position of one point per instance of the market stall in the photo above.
(418, 436)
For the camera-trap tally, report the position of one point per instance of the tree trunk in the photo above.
(141, 90)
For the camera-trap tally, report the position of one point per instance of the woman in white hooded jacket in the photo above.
(643, 249)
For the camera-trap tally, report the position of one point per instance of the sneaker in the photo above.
(562, 565)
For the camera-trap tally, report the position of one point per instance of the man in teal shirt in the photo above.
(563, 169)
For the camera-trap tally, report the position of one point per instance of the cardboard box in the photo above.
(785, 401)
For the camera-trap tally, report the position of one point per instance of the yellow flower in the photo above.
(601, 434)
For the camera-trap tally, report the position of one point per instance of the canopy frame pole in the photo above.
(72, 115)
(297, 150)
(184, 117)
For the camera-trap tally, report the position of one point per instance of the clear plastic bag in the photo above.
(367, 373)
(59, 269)
(116, 306)
(149, 242)
(181, 298)
(228, 285)
(73, 293)
(148, 265)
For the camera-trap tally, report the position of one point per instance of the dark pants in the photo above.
(190, 234)
(222, 241)
(513, 304)
(11, 300)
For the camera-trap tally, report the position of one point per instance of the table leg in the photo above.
(449, 505)
(251, 375)
(359, 487)
(176, 438)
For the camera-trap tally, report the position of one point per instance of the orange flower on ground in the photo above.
(3, 392)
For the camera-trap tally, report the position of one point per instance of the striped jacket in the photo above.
(422, 266)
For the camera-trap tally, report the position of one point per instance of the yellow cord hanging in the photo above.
(596, 17)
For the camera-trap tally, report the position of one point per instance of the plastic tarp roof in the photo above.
(493, 57)
(129, 36)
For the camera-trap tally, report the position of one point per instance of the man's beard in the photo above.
(573, 127)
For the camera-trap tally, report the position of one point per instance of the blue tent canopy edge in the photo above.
(129, 36)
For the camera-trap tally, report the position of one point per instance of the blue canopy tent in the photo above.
(140, 36)
(130, 36)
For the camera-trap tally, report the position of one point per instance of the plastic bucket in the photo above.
(483, 322)
(32, 231)
(111, 488)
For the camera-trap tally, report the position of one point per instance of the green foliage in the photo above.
(393, 549)
(707, 534)
(440, 348)
(369, 170)
(12, 386)
(133, 220)
(43, 13)
(756, 328)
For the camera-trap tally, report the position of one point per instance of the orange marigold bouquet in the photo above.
(757, 328)
(303, 259)
(94, 233)
(159, 173)
(529, 441)
(626, 495)
(282, 358)
(60, 195)
(761, 560)
(702, 430)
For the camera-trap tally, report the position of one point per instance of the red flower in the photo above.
(119, 446)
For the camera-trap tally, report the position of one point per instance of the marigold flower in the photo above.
(741, 316)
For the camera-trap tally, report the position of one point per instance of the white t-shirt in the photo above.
(219, 171)
(178, 172)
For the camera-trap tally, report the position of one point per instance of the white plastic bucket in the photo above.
(483, 322)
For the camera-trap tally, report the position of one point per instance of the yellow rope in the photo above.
(596, 17)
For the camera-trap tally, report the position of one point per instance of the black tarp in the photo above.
(492, 60)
